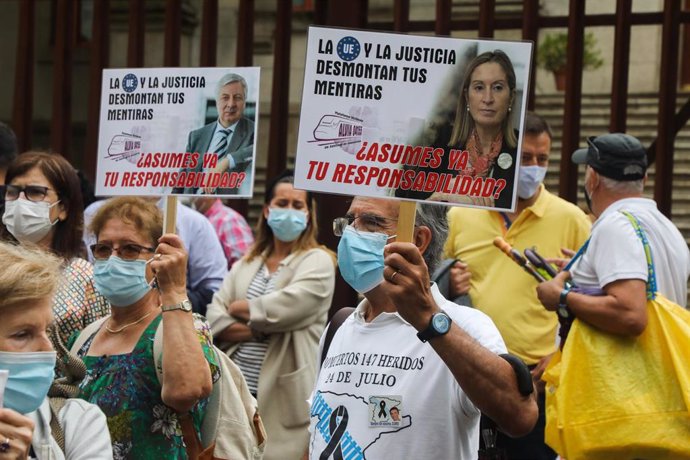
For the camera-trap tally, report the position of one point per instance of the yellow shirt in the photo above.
(501, 288)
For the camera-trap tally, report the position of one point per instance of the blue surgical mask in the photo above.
(287, 224)
(529, 180)
(31, 375)
(360, 258)
(122, 282)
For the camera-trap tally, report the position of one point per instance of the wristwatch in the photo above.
(185, 305)
(563, 310)
(439, 324)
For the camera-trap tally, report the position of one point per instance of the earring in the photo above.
(510, 109)
(468, 107)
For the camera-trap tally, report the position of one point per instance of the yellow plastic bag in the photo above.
(610, 397)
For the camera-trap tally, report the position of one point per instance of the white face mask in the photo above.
(28, 221)
(529, 179)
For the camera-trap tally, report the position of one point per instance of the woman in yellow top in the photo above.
(271, 310)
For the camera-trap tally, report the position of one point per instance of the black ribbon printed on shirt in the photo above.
(337, 430)
(382, 412)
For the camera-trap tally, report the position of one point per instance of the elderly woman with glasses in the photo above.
(143, 275)
(271, 310)
(43, 207)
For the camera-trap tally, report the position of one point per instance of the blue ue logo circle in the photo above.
(348, 48)
(129, 83)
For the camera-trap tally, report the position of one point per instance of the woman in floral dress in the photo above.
(143, 276)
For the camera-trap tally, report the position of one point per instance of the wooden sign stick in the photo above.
(406, 217)
(170, 214)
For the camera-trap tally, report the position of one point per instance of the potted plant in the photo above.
(552, 55)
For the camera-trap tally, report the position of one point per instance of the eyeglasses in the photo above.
(593, 148)
(31, 192)
(365, 223)
(128, 251)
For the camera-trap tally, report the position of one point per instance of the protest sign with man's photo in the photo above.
(413, 117)
(183, 131)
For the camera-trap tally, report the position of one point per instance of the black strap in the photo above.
(524, 377)
(336, 321)
(441, 277)
(488, 428)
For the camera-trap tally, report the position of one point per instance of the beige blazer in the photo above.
(294, 316)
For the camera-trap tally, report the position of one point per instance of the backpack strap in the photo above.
(651, 273)
(72, 370)
(68, 386)
(336, 321)
(56, 404)
(86, 333)
(577, 255)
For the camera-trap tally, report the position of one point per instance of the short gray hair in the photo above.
(617, 186)
(433, 216)
(231, 78)
(29, 274)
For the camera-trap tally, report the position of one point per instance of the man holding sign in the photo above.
(228, 143)
(407, 347)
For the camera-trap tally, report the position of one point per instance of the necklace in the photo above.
(116, 331)
(481, 162)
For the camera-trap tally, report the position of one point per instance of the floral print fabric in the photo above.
(481, 162)
(127, 390)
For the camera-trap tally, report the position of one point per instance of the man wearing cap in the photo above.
(614, 259)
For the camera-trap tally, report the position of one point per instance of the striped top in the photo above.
(249, 356)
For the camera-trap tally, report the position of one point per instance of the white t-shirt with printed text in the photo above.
(373, 367)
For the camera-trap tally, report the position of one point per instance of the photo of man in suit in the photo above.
(231, 137)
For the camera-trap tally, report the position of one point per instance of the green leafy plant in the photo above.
(553, 52)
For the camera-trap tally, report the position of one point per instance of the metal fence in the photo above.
(355, 14)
